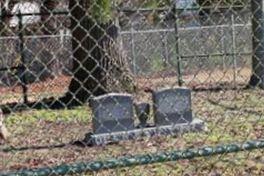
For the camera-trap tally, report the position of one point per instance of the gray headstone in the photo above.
(112, 113)
(172, 106)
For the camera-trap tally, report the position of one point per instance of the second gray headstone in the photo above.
(172, 106)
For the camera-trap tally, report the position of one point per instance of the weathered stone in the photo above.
(112, 113)
(143, 112)
(172, 106)
(102, 139)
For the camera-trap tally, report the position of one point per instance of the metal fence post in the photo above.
(22, 67)
(165, 49)
(223, 48)
(177, 43)
(234, 54)
(133, 49)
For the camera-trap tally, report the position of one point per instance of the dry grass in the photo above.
(232, 116)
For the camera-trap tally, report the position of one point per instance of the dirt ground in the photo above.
(202, 79)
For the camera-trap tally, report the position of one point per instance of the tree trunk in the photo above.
(95, 66)
(3, 19)
(47, 26)
(257, 78)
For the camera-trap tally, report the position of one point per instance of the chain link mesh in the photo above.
(105, 87)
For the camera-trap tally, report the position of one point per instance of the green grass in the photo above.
(231, 116)
(80, 114)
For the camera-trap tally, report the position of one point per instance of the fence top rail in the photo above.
(134, 31)
(182, 29)
(51, 13)
(36, 36)
(161, 9)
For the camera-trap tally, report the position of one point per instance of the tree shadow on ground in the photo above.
(68, 102)
(21, 149)
(47, 103)
(79, 143)
(235, 108)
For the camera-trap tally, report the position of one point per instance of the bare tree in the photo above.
(257, 78)
(4, 134)
(98, 61)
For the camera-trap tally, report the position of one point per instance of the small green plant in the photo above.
(157, 64)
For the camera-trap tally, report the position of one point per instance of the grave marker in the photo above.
(112, 113)
(172, 106)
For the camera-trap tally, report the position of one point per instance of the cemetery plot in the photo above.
(113, 118)
(45, 131)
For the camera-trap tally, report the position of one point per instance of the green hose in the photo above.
(83, 167)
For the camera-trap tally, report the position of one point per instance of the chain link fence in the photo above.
(105, 87)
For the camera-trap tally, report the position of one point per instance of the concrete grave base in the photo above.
(101, 139)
